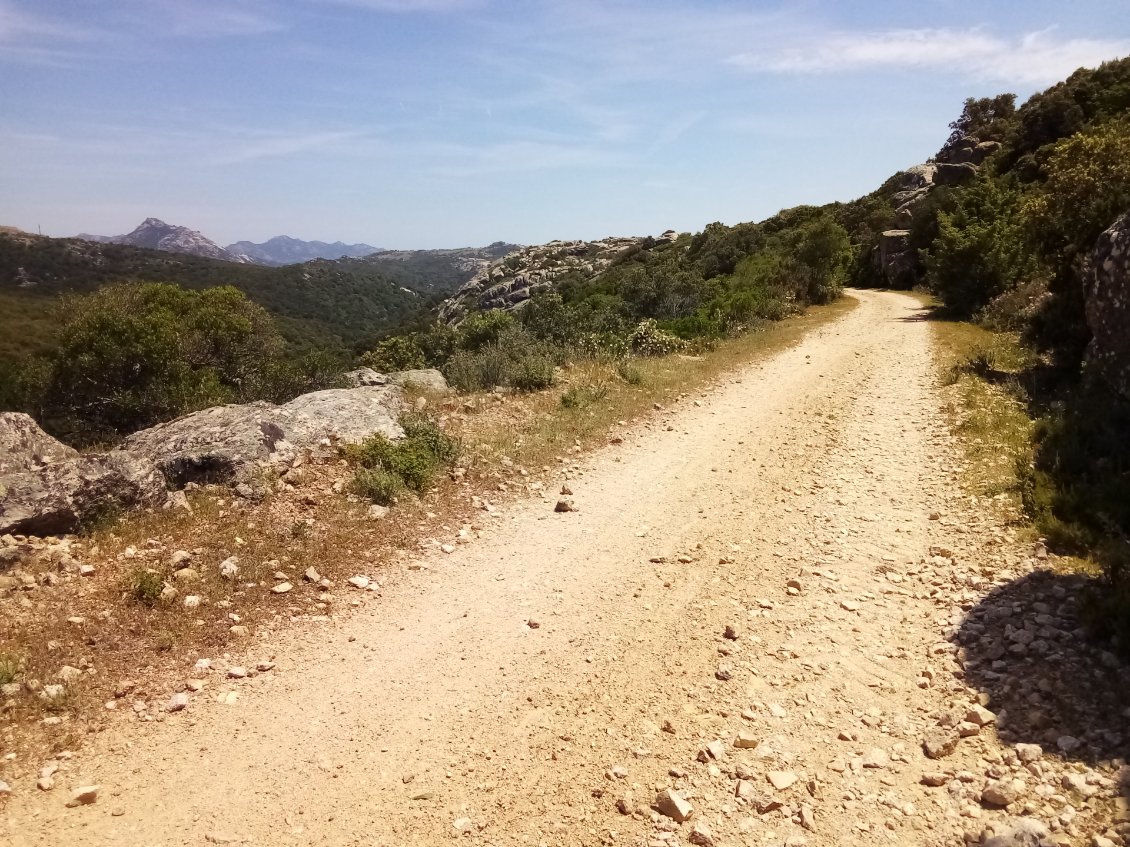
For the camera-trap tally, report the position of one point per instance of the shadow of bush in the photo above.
(1027, 646)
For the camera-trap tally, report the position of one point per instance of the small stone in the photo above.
(731, 633)
(724, 673)
(423, 794)
(263, 667)
(876, 758)
(1028, 753)
(1001, 792)
(565, 506)
(359, 581)
(939, 745)
(626, 805)
(807, 817)
(312, 575)
(229, 568)
(671, 804)
(447, 548)
(186, 575)
(533, 623)
(192, 601)
(566, 491)
(239, 631)
(980, 716)
(781, 779)
(715, 750)
(462, 824)
(83, 796)
(746, 740)
(934, 779)
(700, 834)
(177, 702)
(378, 512)
(849, 605)
(86, 570)
(237, 673)
(282, 588)
(966, 729)
(5, 789)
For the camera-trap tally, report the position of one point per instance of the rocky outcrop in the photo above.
(234, 443)
(1108, 306)
(428, 379)
(898, 261)
(155, 234)
(511, 281)
(47, 488)
(954, 174)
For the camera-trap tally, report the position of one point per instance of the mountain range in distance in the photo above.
(155, 234)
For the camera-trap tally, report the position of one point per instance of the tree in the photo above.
(132, 355)
(985, 118)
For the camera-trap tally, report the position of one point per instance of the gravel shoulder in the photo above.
(542, 684)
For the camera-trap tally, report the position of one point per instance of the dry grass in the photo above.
(134, 647)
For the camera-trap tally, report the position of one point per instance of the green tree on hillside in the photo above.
(132, 355)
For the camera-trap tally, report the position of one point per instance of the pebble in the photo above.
(700, 834)
(312, 575)
(237, 673)
(939, 745)
(565, 505)
(177, 702)
(746, 740)
(282, 588)
(5, 789)
(229, 568)
(781, 779)
(671, 803)
(359, 581)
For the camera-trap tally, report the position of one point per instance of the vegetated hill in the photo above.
(155, 234)
(443, 269)
(284, 250)
(338, 303)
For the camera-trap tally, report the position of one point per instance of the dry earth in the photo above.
(542, 684)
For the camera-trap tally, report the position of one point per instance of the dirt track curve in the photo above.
(821, 465)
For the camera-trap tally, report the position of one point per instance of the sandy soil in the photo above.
(502, 684)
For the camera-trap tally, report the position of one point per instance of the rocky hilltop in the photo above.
(284, 250)
(511, 280)
(155, 234)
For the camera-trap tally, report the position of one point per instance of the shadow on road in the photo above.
(1026, 646)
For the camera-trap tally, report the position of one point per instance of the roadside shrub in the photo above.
(532, 373)
(647, 339)
(376, 484)
(585, 394)
(145, 585)
(387, 467)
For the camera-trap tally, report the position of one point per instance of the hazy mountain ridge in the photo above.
(285, 250)
(155, 234)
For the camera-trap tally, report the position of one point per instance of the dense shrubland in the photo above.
(654, 300)
(1009, 250)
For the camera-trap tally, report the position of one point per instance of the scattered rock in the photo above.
(229, 567)
(700, 834)
(1001, 792)
(781, 779)
(731, 633)
(938, 745)
(746, 740)
(282, 588)
(533, 624)
(177, 702)
(671, 803)
(565, 505)
(359, 581)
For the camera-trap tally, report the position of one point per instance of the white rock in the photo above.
(671, 803)
(282, 588)
(781, 779)
(177, 702)
(192, 601)
(359, 581)
(84, 796)
(229, 568)
(237, 672)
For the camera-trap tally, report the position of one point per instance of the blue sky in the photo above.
(432, 123)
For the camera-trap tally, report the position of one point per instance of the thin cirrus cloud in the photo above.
(1036, 58)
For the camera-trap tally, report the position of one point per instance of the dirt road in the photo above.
(523, 685)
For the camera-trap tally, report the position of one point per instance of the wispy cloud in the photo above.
(218, 18)
(286, 144)
(1034, 58)
(408, 6)
(509, 157)
(34, 38)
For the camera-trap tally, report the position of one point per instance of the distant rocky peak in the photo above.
(155, 234)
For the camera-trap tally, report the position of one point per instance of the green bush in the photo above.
(580, 396)
(532, 373)
(398, 353)
(387, 467)
(145, 585)
(647, 339)
(376, 484)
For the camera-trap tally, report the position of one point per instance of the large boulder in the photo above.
(898, 260)
(429, 379)
(233, 443)
(1108, 305)
(47, 488)
(954, 174)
